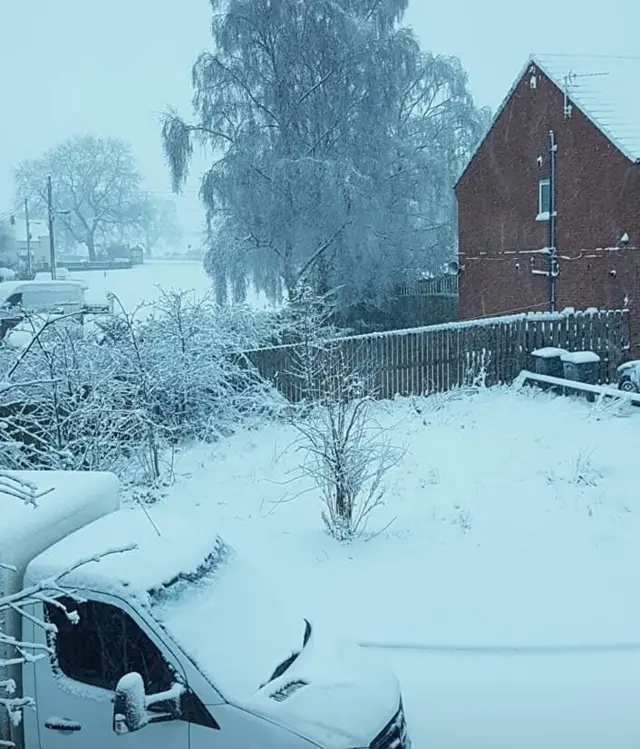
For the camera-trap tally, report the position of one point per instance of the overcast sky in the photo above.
(76, 66)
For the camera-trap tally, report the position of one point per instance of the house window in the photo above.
(544, 200)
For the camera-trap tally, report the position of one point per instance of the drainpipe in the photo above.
(553, 262)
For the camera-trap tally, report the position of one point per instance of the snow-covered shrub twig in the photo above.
(130, 389)
(477, 369)
(345, 450)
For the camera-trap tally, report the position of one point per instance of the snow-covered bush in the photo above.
(580, 470)
(60, 407)
(186, 373)
(476, 372)
(132, 387)
(345, 451)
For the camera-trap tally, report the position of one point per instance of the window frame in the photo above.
(193, 709)
(15, 304)
(125, 620)
(543, 215)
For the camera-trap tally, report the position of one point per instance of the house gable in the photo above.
(602, 88)
(496, 117)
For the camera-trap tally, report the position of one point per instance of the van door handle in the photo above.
(62, 724)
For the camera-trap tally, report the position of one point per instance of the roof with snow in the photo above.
(605, 89)
(602, 87)
(71, 500)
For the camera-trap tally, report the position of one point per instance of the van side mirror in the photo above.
(130, 704)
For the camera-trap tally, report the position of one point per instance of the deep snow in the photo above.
(511, 522)
(143, 282)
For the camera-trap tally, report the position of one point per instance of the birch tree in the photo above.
(335, 142)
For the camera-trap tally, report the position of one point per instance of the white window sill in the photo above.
(543, 216)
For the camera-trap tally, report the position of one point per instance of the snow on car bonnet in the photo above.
(231, 623)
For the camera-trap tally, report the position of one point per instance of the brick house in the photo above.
(592, 106)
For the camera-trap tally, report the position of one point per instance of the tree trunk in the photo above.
(91, 246)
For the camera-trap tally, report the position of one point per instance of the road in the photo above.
(576, 700)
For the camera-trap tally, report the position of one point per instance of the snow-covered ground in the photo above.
(143, 282)
(510, 530)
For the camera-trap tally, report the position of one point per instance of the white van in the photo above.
(60, 297)
(175, 644)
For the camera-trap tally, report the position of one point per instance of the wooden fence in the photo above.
(443, 285)
(440, 357)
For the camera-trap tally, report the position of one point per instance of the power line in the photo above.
(588, 56)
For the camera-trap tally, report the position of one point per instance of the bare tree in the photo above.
(345, 450)
(159, 223)
(312, 328)
(96, 188)
(7, 243)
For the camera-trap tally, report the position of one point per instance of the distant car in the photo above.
(629, 376)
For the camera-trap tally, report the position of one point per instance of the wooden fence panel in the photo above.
(441, 357)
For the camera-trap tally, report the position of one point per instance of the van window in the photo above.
(15, 300)
(45, 297)
(104, 645)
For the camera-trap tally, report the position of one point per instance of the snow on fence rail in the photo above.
(440, 357)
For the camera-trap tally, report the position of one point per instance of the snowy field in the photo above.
(143, 282)
(500, 579)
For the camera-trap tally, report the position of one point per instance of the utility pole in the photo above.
(553, 261)
(52, 247)
(26, 218)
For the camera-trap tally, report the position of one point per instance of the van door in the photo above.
(95, 645)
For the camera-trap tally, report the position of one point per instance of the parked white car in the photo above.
(177, 643)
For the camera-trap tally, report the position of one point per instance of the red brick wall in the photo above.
(502, 283)
(598, 198)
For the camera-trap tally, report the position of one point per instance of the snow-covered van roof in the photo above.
(76, 498)
(602, 87)
(7, 288)
(168, 543)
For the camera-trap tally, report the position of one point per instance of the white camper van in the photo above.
(43, 296)
(174, 644)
